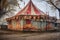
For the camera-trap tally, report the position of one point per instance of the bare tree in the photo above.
(7, 6)
(55, 6)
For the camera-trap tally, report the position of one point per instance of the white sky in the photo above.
(42, 5)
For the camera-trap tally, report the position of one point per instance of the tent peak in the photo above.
(30, 9)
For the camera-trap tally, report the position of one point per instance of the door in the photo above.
(27, 25)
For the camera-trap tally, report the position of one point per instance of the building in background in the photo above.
(3, 25)
(57, 24)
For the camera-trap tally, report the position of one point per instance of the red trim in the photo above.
(35, 9)
(28, 11)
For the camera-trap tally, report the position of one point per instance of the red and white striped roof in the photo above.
(30, 9)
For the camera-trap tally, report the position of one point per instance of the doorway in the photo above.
(27, 25)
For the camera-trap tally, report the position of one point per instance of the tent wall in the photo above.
(30, 23)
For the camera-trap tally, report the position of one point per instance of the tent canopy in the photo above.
(30, 9)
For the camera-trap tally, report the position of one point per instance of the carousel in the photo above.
(30, 18)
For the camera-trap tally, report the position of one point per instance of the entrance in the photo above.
(27, 25)
(28, 21)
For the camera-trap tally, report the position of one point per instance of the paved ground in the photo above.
(6, 35)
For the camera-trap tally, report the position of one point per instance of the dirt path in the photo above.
(32, 36)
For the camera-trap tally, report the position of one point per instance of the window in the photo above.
(14, 23)
(43, 23)
(36, 24)
(21, 23)
(53, 25)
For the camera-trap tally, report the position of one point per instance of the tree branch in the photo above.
(53, 4)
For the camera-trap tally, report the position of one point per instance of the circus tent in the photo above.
(29, 18)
